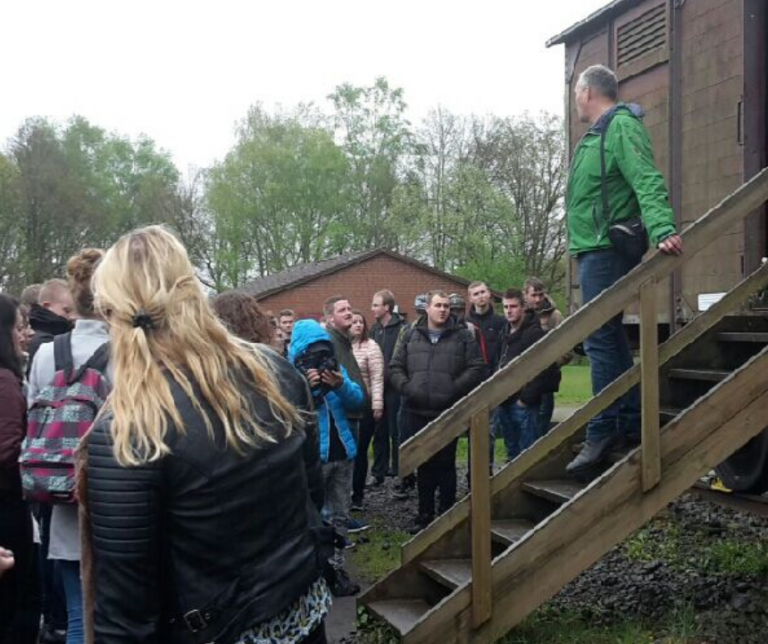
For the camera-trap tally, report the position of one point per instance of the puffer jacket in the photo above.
(634, 184)
(368, 356)
(431, 377)
(337, 404)
(205, 542)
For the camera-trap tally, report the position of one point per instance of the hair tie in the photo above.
(143, 321)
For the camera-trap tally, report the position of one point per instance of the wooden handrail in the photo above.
(649, 379)
(482, 601)
(552, 441)
(454, 421)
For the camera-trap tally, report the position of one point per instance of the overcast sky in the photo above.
(183, 71)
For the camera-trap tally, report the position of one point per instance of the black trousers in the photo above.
(438, 474)
(367, 427)
(386, 439)
(19, 587)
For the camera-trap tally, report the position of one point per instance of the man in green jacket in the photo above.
(634, 186)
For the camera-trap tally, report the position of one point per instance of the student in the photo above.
(211, 449)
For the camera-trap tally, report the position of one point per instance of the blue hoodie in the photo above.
(348, 397)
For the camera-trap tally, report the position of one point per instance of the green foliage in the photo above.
(481, 197)
(737, 557)
(64, 188)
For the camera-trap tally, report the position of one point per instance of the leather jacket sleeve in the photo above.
(312, 451)
(124, 508)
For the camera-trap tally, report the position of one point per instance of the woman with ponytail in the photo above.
(203, 478)
(89, 334)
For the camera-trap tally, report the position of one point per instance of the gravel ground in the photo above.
(684, 567)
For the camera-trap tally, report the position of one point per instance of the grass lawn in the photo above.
(575, 387)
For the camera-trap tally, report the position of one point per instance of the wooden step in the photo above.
(560, 491)
(709, 375)
(402, 614)
(452, 573)
(510, 531)
(743, 336)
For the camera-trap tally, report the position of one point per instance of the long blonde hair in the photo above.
(160, 324)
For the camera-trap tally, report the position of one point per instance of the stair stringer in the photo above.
(577, 535)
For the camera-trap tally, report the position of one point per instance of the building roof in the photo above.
(601, 15)
(303, 273)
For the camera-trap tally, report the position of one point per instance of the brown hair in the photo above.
(364, 336)
(243, 316)
(80, 270)
(31, 294)
(387, 298)
(330, 304)
(433, 294)
(535, 283)
(475, 285)
(286, 313)
(514, 294)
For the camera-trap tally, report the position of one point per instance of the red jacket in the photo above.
(13, 427)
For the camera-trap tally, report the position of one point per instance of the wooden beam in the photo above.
(575, 328)
(552, 441)
(649, 371)
(482, 601)
(611, 508)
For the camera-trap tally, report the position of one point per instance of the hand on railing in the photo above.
(672, 245)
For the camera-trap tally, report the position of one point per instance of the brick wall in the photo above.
(359, 283)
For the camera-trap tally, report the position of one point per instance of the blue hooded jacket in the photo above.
(348, 397)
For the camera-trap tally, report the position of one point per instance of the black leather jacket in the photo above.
(206, 542)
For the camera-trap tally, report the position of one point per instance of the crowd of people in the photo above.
(179, 468)
(218, 410)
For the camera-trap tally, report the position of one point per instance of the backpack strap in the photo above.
(603, 174)
(62, 354)
(98, 361)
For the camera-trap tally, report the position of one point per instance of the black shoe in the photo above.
(343, 586)
(593, 454)
(357, 504)
(420, 523)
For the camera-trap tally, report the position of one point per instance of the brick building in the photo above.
(358, 276)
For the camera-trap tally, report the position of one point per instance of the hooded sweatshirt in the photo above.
(332, 409)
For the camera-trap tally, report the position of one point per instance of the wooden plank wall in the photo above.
(713, 78)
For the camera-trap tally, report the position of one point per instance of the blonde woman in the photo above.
(203, 476)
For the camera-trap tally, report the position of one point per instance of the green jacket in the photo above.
(635, 185)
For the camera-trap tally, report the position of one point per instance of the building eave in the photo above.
(601, 15)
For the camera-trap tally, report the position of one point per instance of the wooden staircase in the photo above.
(518, 537)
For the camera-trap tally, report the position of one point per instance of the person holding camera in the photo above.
(335, 395)
(616, 203)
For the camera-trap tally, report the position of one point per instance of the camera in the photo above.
(321, 357)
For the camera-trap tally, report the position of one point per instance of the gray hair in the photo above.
(601, 79)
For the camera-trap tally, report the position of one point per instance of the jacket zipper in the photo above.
(598, 234)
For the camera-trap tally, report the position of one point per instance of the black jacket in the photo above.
(46, 325)
(514, 344)
(431, 377)
(491, 327)
(386, 338)
(226, 539)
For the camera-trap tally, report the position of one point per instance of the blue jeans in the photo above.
(519, 427)
(546, 409)
(73, 591)
(608, 347)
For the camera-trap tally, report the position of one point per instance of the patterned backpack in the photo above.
(60, 416)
